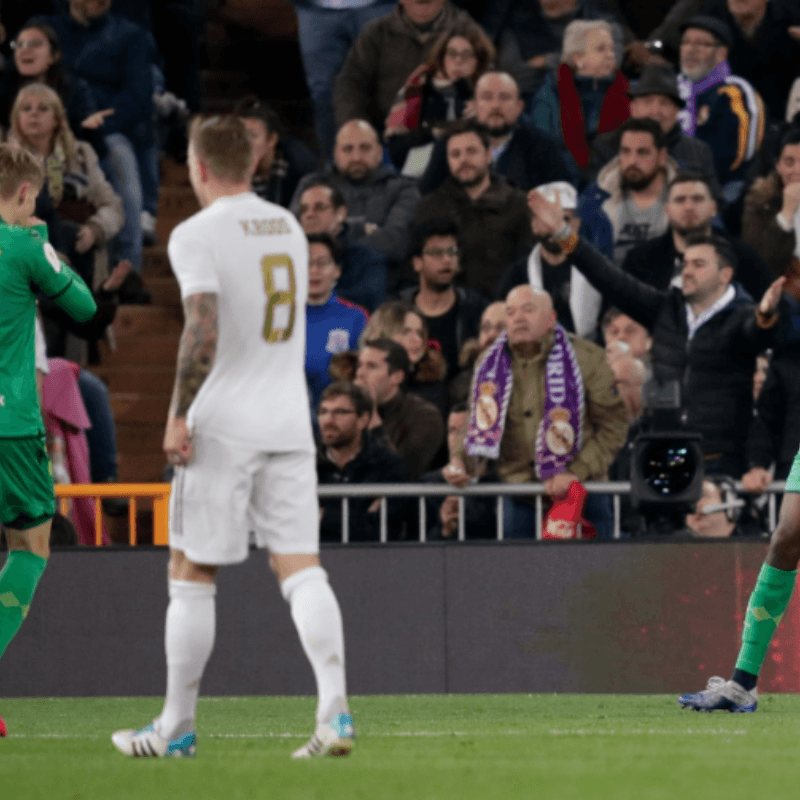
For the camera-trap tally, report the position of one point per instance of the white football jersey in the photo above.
(254, 256)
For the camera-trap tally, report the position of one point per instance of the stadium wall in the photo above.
(475, 617)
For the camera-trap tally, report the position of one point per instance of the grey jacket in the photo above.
(384, 199)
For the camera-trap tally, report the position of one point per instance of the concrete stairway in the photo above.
(140, 370)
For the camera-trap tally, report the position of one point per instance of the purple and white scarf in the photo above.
(689, 90)
(560, 434)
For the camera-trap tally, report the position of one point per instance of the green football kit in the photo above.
(28, 263)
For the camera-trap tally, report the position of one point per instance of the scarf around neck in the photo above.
(689, 90)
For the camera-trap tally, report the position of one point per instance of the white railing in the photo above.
(384, 491)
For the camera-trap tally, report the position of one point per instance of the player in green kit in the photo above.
(769, 599)
(27, 262)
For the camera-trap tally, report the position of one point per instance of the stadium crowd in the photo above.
(519, 213)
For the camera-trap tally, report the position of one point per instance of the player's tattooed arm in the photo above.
(198, 348)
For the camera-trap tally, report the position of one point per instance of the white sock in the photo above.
(188, 641)
(316, 615)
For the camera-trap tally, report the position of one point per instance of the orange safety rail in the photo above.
(158, 491)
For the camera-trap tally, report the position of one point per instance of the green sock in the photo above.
(768, 601)
(18, 582)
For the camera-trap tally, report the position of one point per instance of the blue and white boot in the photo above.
(334, 738)
(146, 743)
(722, 695)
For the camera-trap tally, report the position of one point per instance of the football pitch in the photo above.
(462, 747)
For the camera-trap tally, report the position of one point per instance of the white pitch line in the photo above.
(436, 734)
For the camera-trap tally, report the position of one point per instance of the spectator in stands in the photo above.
(116, 58)
(492, 216)
(690, 210)
(451, 313)
(775, 429)
(280, 160)
(762, 50)
(380, 203)
(441, 513)
(493, 324)
(333, 325)
(771, 219)
(350, 454)
(722, 109)
(520, 153)
(625, 336)
(322, 209)
(529, 35)
(437, 92)
(626, 205)
(327, 30)
(706, 335)
(413, 426)
(386, 52)
(37, 58)
(655, 95)
(587, 96)
(543, 407)
(402, 323)
(717, 490)
(547, 267)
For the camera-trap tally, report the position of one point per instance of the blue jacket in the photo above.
(115, 57)
(363, 280)
(330, 328)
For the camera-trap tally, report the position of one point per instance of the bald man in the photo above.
(379, 202)
(536, 349)
(520, 153)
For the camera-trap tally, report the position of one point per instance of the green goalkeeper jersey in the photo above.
(28, 262)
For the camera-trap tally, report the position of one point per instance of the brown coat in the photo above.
(382, 58)
(605, 429)
(760, 229)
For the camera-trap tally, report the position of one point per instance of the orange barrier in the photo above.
(158, 491)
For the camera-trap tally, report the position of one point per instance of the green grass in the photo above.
(463, 747)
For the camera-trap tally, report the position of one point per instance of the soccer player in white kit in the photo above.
(239, 435)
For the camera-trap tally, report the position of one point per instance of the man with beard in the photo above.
(380, 203)
(452, 313)
(625, 205)
(491, 215)
(522, 154)
(690, 208)
(706, 335)
(576, 302)
(349, 453)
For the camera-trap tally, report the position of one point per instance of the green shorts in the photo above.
(26, 483)
(793, 481)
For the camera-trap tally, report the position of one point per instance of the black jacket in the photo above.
(530, 159)
(715, 368)
(376, 462)
(775, 431)
(654, 262)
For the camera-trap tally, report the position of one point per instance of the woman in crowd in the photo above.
(588, 96)
(82, 210)
(399, 321)
(436, 93)
(37, 59)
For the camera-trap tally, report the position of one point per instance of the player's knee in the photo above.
(785, 544)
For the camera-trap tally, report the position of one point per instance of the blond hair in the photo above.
(575, 37)
(17, 166)
(62, 134)
(221, 141)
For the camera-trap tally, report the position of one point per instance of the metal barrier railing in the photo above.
(159, 492)
(132, 491)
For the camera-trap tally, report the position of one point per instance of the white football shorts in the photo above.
(229, 490)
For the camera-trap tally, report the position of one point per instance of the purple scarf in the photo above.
(689, 90)
(560, 433)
